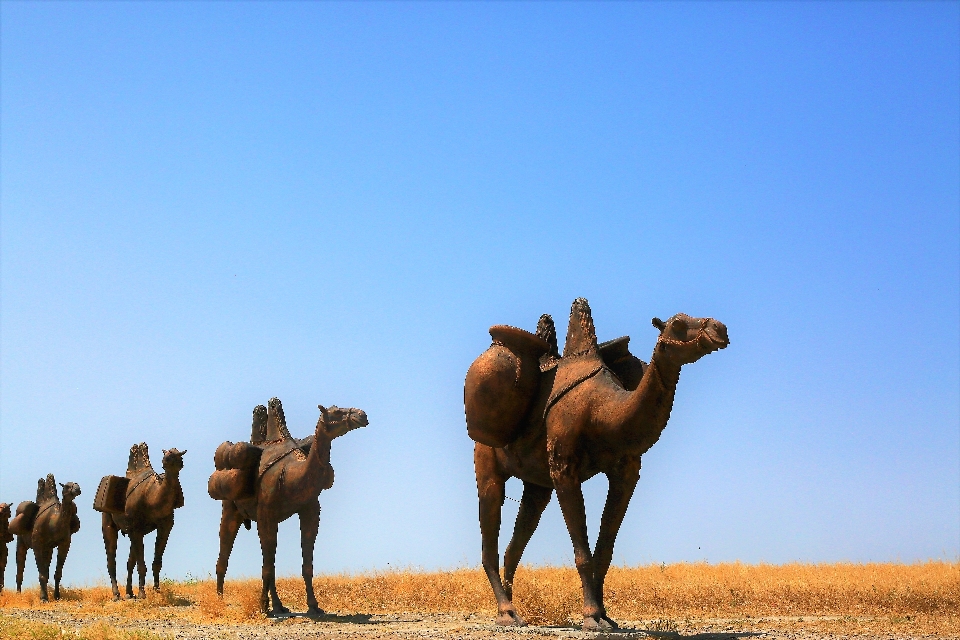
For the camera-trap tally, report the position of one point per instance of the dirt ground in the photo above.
(465, 626)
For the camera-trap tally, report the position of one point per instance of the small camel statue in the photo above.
(5, 538)
(151, 499)
(555, 422)
(272, 478)
(43, 526)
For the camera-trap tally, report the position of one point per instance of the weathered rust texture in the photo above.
(44, 525)
(596, 409)
(141, 502)
(272, 478)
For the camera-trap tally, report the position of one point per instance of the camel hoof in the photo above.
(597, 623)
(316, 611)
(510, 619)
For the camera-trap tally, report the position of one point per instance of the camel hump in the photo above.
(139, 460)
(519, 341)
(276, 421)
(47, 490)
(581, 334)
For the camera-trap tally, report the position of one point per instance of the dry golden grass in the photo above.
(14, 629)
(909, 598)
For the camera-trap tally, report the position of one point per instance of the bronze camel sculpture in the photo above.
(554, 422)
(43, 526)
(272, 478)
(5, 538)
(151, 499)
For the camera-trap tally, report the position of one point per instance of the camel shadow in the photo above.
(718, 635)
(357, 618)
(627, 632)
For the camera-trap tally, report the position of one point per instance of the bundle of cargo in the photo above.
(236, 471)
(111, 494)
(22, 523)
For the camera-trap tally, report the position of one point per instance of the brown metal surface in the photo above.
(595, 410)
(111, 494)
(43, 526)
(149, 500)
(287, 477)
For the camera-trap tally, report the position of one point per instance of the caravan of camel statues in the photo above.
(553, 421)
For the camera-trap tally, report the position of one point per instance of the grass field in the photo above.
(907, 598)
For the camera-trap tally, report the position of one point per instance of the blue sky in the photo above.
(208, 204)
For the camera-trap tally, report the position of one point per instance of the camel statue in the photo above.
(44, 525)
(269, 480)
(5, 537)
(596, 409)
(150, 500)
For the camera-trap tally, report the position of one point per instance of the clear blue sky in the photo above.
(206, 205)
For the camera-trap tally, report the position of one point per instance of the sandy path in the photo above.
(466, 626)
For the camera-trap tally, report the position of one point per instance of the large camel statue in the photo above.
(43, 526)
(5, 537)
(150, 501)
(272, 478)
(595, 410)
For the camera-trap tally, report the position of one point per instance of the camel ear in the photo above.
(183, 453)
(659, 324)
(323, 409)
(63, 486)
(165, 451)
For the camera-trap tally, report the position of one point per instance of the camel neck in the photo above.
(647, 410)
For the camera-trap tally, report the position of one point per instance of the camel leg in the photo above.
(565, 473)
(535, 499)
(622, 482)
(141, 569)
(230, 522)
(309, 526)
(3, 563)
(163, 534)
(111, 534)
(490, 490)
(62, 550)
(136, 561)
(21, 559)
(43, 556)
(268, 547)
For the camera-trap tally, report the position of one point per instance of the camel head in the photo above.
(4, 511)
(337, 421)
(70, 491)
(172, 460)
(258, 432)
(684, 339)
